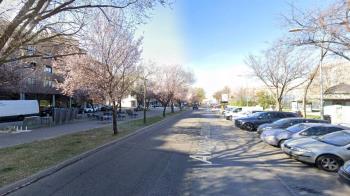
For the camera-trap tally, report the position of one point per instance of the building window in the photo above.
(48, 69)
(30, 81)
(47, 83)
(31, 65)
(48, 55)
(31, 50)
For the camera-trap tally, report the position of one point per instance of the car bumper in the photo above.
(238, 124)
(272, 140)
(300, 156)
(260, 130)
(343, 175)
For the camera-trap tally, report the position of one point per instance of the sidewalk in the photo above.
(10, 139)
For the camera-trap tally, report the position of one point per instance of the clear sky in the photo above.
(212, 38)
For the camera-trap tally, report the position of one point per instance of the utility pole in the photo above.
(323, 54)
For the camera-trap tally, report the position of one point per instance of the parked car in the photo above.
(106, 108)
(287, 122)
(252, 122)
(46, 111)
(344, 172)
(88, 109)
(17, 110)
(195, 107)
(227, 109)
(243, 114)
(328, 152)
(228, 114)
(138, 108)
(276, 137)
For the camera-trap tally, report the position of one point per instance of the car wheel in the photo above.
(249, 127)
(280, 143)
(329, 163)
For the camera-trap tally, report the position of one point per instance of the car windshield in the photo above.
(297, 128)
(340, 138)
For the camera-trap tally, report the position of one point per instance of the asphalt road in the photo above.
(196, 153)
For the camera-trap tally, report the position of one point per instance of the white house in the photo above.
(129, 102)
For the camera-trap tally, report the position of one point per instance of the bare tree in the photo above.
(197, 95)
(145, 73)
(109, 71)
(326, 28)
(281, 69)
(168, 82)
(226, 90)
(26, 24)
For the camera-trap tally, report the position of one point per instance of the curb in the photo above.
(15, 186)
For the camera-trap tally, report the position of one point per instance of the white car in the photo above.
(276, 137)
(328, 152)
(242, 114)
(229, 113)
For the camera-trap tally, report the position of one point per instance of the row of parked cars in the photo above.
(310, 141)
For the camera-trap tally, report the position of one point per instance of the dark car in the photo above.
(287, 122)
(195, 107)
(252, 122)
(46, 111)
(106, 108)
(344, 173)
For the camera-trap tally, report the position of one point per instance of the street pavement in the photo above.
(195, 153)
(12, 139)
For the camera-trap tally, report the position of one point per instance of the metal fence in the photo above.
(64, 115)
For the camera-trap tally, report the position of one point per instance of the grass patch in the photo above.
(23, 160)
(313, 116)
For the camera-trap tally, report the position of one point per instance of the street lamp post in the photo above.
(323, 53)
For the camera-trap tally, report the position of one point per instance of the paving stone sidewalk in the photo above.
(12, 139)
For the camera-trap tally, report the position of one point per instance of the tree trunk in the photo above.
(147, 103)
(305, 98)
(114, 115)
(120, 105)
(172, 107)
(279, 104)
(164, 110)
(311, 79)
(144, 102)
(180, 105)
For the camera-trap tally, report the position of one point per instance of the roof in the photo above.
(341, 88)
(320, 124)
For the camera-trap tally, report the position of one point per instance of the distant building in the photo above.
(36, 82)
(337, 95)
(129, 102)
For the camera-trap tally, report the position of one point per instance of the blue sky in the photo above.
(212, 38)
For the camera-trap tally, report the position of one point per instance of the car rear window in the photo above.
(340, 138)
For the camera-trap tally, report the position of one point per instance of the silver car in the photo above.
(276, 137)
(328, 152)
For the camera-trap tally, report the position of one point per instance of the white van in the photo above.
(11, 110)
